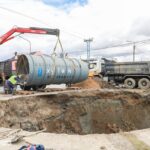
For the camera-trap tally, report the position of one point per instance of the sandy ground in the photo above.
(135, 140)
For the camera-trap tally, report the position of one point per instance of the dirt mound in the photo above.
(94, 83)
(90, 83)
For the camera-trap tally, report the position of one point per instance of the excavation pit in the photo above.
(78, 112)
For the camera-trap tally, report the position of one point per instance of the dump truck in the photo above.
(131, 74)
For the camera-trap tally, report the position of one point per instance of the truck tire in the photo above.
(130, 83)
(144, 83)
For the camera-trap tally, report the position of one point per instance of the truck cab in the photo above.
(96, 67)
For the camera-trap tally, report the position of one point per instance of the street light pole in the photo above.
(88, 41)
(28, 42)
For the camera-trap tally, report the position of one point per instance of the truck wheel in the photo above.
(130, 83)
(144, 83)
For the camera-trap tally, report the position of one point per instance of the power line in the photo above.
(74, 34)
(39, 21)
(124, 45)
(19, 13)
(115, 46)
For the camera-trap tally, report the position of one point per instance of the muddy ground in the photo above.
(81, 112)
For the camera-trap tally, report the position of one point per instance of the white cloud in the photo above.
(107, 21)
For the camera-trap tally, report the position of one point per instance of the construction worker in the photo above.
(11, 84)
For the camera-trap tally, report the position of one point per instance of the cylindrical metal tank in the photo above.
(45, 70)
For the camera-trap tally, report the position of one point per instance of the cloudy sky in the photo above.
(108, 22)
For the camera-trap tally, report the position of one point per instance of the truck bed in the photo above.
(128, 68)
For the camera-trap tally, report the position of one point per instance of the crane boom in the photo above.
(33, 30)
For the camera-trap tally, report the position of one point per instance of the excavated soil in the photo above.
(82, 112)
(90, 83)
(93, 83)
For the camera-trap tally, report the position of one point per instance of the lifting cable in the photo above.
(58, 41)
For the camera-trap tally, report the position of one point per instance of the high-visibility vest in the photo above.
(12, 79)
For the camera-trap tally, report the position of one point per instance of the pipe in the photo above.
(45, 70)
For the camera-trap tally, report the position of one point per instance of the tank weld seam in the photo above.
(42, 79)
(74, 69)
(66, 68)
(80, 69)
(54, 67)
(33, 68)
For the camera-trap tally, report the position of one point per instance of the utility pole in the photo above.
(88, 41)
(134, 52)
(134, 47)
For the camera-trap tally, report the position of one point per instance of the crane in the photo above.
(33, 30)
(21, 30)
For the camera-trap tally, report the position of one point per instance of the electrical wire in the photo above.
(39, 21)
(77, 35)
(115, 46)
(124, 45)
